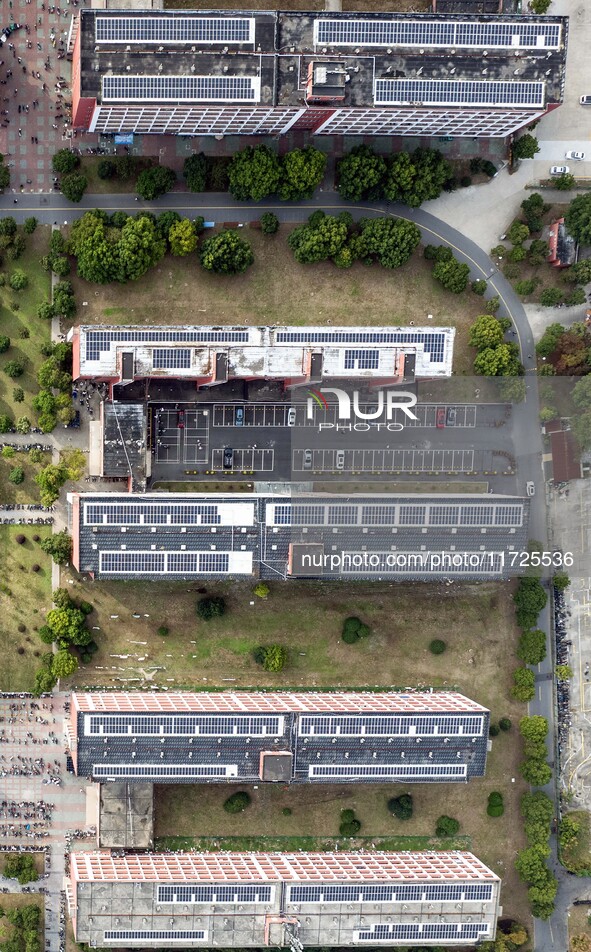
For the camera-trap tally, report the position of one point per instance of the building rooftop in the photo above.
(419, 537)
(268, 867)
(126, 819)
(124, 441)
(265, 352)
(291, 58)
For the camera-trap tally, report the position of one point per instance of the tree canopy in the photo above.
(360, 174)
(486, 331)
(578, 218)
(391, 241)
(416, 177)
(302, 171)
(154, 182)
(195, 172)
(526, 147)
(226, 253)
(254, 173)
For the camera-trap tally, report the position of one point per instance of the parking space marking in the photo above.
(389, 461)
(267, 415)
(248, 460)
(196, 437)
(276, 414)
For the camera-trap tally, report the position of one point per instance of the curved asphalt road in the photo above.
(53, 208)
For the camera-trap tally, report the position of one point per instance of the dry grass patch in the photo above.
(278, 290)
(25, 597)
(578, 925)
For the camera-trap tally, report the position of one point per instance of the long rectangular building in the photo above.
(335, 537)
(296, 355)
(240, 900)
(187, 72)
(353, 737)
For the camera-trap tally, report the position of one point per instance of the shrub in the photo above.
(211, 607)
(401, 807)
(495, 806)
(269, 223)
(261, 590)
(350, 828)
(494, 730)
(163, 631)
(20, 539)
(14, 368)
(466, 181)
(29, 225)
(16, 475)
(437, 646)
(287, 811)
(479, 287)
(525, 287)
(492, 305)
(85, 608)
(237, 802)
(353, 630)
(447, 826)
(505, 724)
(18, 280)
(4, 344)
(275, 657)
(106, 169)
(523, 684)
(550, 297)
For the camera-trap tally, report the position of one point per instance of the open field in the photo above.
(89, 166)
(22, 320)
(25, 596)
(17, 901)
(27, 491)
(577, 856)
(278, 290)
(578, 924)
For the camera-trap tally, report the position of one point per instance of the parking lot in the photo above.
(191, 441)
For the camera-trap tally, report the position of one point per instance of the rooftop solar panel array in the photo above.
(315, 725)
(198, 893)
(389, 932)
(430, 33)
(393, 892)
(181, 88)
(171, 358)
(387, 771)
(98, 342)
(173, 30)
(429, 514)
(433, 342)
(137, 935)
(162, 514)
(446, 92)
(186, 725)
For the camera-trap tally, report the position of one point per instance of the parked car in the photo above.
(340, 459)
(228, 457)
(574, 155)
(291, 416)
(585, 100)
(530, 488)
(559, 170)
(239, 416)
(440, 418)
(180, 420)
(307, 459)
(450, 419)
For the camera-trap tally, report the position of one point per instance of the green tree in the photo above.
(18, 280)
(45, 311)
(498, 361)
(447, 826)
(530, 598)
(564, 183)
(322, 237)
(518, 232)
(211, 607)
(276, 657)
(64, 161)
(525, 287)
(18, 394)
(578, 218)
(139, 248)
(581, 271)
(226, 253)
(539, 7)
(29, 225)
(560, 581)
(523, 684)
(237, 802)
(531, 864)
(550, 297)
(23, 425)
(195, 172)
(486, 331)
(60, 266)
(526, 147)
(360, 174)
(50, 480)
(73, 186)
(532, 646)
(401, 807)
(5, 423)
(479, 287)
(533, 209)
(254, 173)
(534, 728)
(58, 546)
(417, 178)
(492, 305)
(63, 299)
(164, 222)
(4, 175)
(21, 866)
(16, 476)
(106, 169)
(269, 223)
(564, 672)
(4, 344)
(154, 182)
(302, 171)
(452, 275)
(182, 238)
(538, 252)
(14, 368)
(64, 664)
(391, 241)
(549, 339)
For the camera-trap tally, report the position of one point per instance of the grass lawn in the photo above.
(577, 856)
(39, 860)
(28, 490)
(25, 596)
(25, 319)
(17, 901)
(89, 165)
(578, 925)
(278, 290)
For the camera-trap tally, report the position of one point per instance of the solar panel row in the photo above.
(168, 30)
(151, 563)
(163, 725)
(163, 770)
(98, 342)
(217, 893)
(135, 935)
(433, 343)
(427, 930)
(392, 892)
(477, 514)
(181, 88)
(316, 725)
(445, 92)
(448, 33)
(388, 771)
(171, 358)
(147, 514)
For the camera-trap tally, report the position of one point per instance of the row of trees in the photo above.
(389, 241)
(52, 477)
(65, 627)
(537, 811)
(566, 351)
(412, 178)
(495, 356)
(25, 935)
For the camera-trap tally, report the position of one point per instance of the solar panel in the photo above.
(164, 770)
(448, 92)
(185, 725)
(216, 893)
(141, 562)
(400, 725)
(390, 771)
(432, 342)
(425, 930)
(157, 514)
(135, 935)
(181, 88)
(447, 33)
(169, 358)
(362, 359)
(97, 342)
(176, 29)
(391, 892)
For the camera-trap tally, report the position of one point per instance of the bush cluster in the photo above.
(353, 630)
(349, 824)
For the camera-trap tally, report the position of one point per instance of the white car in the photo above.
(559, 170)
(291, 416)
(574, 155)
(530, 488)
